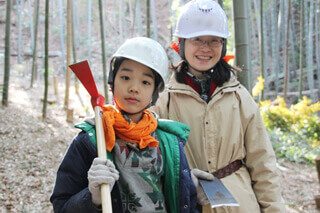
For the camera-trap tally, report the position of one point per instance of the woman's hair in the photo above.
(221, 74)
(119, 60)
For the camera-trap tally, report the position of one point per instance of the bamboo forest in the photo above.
(274, 47)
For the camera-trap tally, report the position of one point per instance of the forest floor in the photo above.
(32, 147)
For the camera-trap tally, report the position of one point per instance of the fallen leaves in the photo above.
(31, 150)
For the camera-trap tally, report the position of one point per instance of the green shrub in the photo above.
(294, 131)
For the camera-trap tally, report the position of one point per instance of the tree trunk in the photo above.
(116, 39)
(34, 60)
(241, 40)
(148, 19)
(317, 164)
(61, 24)
(20, 9)
(309, 51)
(46, 64)
(31, 25)
(132, 17)
(258, 25)
(121, 21)
(123, 17)
(51, 19)
(286, 61)
(104, 69)
(261, 46)
(5, 91)
(274, 43)
(292, 38)
(89, 29)
(278, 44)
(76, 22)
(154, 20)
(317, 23)
(301, 47)
(283, 38)
(74, 45)
(69, 28)
(267, 49)
(254, 48)
(138, 15)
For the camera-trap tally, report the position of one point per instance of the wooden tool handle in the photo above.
(101, 146)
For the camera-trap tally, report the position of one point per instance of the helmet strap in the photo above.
(155, 94)
(181, 48)
(111, 74)
(224, 48)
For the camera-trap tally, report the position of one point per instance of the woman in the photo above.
(227, 137)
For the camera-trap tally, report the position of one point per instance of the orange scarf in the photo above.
(115, 124)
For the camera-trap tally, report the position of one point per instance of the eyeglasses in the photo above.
(214, 43)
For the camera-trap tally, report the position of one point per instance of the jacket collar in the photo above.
(175, 86)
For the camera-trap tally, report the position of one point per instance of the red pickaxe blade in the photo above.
(83, 72)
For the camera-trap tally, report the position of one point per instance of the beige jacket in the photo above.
(226, 129)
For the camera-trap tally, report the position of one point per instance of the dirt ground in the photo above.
(31, 149)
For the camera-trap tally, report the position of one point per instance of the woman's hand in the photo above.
(199, 174)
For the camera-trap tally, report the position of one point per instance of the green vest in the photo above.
(167, 132)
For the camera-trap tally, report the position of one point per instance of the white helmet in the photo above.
(145, 51)
(200, 18)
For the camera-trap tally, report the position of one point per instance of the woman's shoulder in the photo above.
(244, 95)
(235, 85)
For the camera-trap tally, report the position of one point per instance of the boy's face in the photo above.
(133, 87)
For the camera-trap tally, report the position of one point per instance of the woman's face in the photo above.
(134, 84)
(203, 53)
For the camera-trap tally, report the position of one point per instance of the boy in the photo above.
(146, 167)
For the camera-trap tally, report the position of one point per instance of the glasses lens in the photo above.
(196, 41)
(211, 43)
(216, 43)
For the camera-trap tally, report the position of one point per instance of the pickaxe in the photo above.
(83, 72)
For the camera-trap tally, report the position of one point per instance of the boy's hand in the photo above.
(195, 175)
(101, 171)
